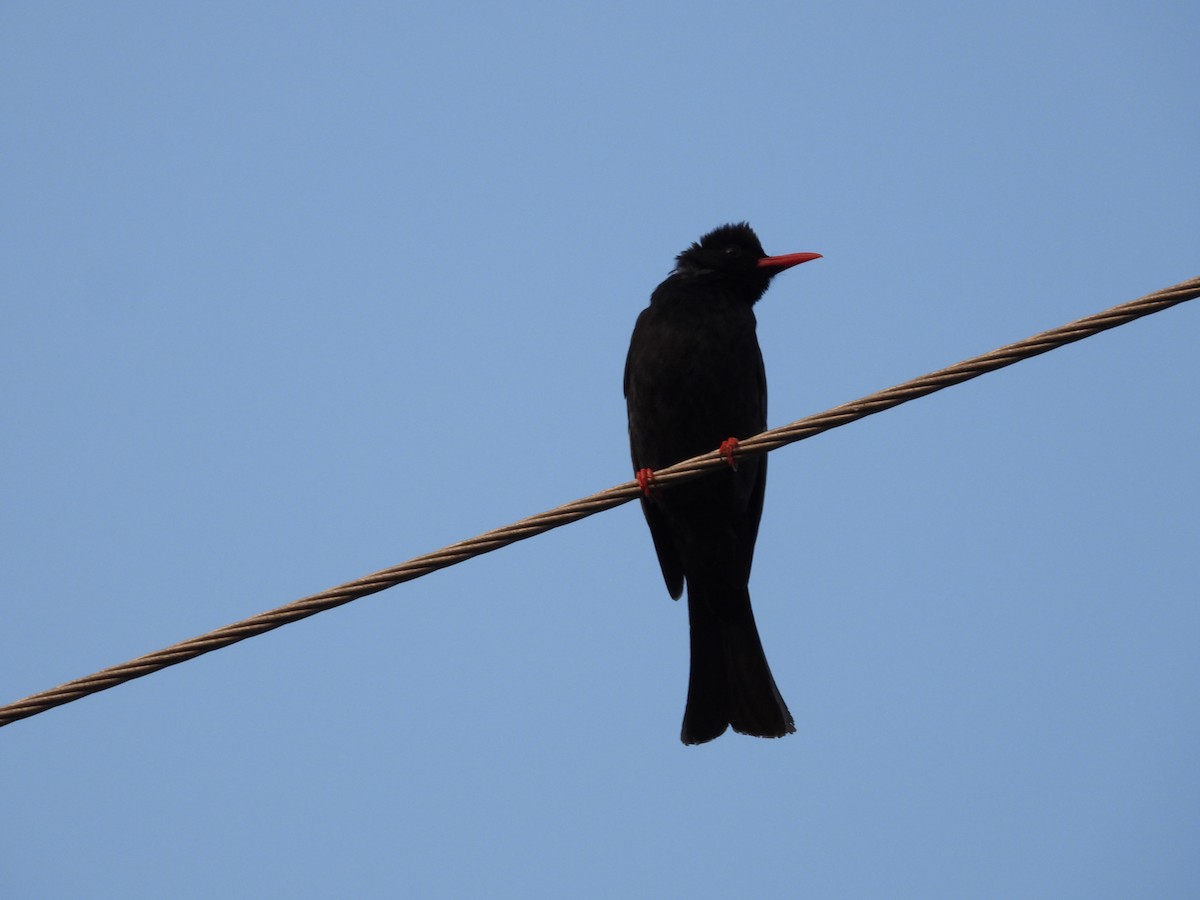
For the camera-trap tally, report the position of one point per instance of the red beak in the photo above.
(779, 263)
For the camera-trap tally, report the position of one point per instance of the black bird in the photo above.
(694, 382)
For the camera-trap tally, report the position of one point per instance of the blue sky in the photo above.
(294, 292)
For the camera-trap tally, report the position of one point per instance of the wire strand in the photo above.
(607, 499)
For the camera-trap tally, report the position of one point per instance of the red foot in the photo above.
(728, 446)
(645, 477)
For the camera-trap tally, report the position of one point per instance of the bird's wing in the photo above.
(668, 558)
(748, 533)
(758, 471)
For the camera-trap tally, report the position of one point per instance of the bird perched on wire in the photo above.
(694, 382)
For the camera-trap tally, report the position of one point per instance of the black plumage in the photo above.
(694, 378)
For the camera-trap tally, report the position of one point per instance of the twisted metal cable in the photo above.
(607, 499)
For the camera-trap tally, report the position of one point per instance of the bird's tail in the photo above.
(731, 683)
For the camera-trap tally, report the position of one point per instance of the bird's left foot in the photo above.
(645, 477)
(727, 449)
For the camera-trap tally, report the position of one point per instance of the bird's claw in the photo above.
(645, 478)
(727, 449)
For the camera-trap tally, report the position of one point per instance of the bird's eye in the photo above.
(733, 251)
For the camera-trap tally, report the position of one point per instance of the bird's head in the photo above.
(732, 254)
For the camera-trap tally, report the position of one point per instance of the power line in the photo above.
(614, 496)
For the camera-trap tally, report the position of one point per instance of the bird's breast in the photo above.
(693, 380)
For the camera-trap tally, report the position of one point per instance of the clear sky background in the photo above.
(293, 292)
